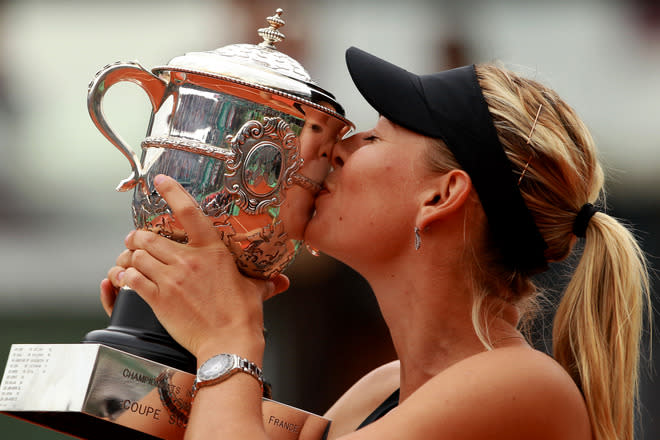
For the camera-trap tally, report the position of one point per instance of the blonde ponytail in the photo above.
(600, 319)
(598, 326)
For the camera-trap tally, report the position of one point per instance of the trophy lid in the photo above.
(259, 66)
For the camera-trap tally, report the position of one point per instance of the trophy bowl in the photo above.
(245, 131)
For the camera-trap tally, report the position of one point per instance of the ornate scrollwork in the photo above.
(266, 155)
(177, 143)
(261, 252)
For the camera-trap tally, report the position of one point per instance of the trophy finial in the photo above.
(271, 35)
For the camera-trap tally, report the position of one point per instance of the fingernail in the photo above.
(128, 237)
(159, 179)
(120, 275)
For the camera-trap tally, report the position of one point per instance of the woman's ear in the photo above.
(445, 196)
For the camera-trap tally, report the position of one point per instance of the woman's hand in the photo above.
(195, 289)
(110, 285)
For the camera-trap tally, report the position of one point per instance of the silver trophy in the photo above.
(248, 134)
(245, 130)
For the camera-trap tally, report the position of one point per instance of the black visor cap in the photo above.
(450, 106)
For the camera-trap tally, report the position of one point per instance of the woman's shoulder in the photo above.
(513, 392)
(516, 370)
(362, 399)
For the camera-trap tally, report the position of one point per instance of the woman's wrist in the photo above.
(248, 347)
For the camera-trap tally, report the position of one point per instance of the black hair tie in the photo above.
(582, 220)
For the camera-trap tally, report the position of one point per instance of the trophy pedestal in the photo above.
(98, 392)
(135, 329)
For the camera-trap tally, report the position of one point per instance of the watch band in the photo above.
(250, 368)
(236, 364)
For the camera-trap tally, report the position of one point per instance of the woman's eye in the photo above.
(371, 138)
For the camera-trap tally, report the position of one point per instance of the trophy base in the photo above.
(135, 329)
(80, 425)
(98, 392)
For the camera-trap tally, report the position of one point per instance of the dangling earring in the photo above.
(418, 239)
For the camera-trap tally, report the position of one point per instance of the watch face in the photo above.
(215, 367)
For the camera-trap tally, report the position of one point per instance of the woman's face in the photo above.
(370, 200)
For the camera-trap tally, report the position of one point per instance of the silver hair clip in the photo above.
(531, 156)
(538, 112)
(529, 138)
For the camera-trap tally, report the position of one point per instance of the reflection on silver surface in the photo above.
(93, 391)
(245, 130)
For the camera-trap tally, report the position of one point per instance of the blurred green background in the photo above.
(62, 225)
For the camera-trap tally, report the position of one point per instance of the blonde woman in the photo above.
(471, 181)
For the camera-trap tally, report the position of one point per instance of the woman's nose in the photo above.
(343, 149)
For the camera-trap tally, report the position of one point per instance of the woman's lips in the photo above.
(324, 191)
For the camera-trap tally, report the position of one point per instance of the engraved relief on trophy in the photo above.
(259, 149)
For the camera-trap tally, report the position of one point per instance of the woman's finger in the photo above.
(108, 296)
(280, 284)
(161, 248)
(113, 275)
(186, 210)
(124, 259)
(135, 280)
(148, 265)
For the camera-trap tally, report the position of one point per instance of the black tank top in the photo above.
(389, 404)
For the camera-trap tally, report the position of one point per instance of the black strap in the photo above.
(389, 404)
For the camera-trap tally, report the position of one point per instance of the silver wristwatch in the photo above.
(222, 366)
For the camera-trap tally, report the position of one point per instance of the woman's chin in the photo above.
(308, 234)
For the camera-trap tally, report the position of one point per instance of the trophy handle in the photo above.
(108, 76)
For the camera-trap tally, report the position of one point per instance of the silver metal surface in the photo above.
(260, 65)
(245, 130)
(271, 34)
(93, 391)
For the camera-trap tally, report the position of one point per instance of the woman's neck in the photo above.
(429, 316)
